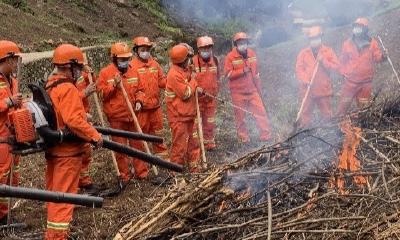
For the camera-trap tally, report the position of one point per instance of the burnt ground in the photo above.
(280, 95)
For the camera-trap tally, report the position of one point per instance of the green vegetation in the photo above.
(227, 28)
(20, 4)
(394, 4)
(163, 23)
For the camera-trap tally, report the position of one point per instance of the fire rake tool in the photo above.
(103, 123)
(200, 132)
(136, 121)
(306, 95)
(389, 59)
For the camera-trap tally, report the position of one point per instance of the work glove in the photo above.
(200, 91)
(87, 68)
(138, 106)
(89, 117)
(90, 89)
(117, 80)
(99, 143)
(15, 100)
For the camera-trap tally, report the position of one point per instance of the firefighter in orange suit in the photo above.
(64, 159)
(207, 75)
(359, 56)
(245, 86)
(181, 109)
(153, 80)
(85, 90)
(9, 98)
(321, 90)
(115, 106)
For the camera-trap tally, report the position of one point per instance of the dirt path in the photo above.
(36, 56)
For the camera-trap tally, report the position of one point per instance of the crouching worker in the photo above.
(181, 109)
(9, 98)
(64, 160)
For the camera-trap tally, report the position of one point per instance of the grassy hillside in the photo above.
(40, 25)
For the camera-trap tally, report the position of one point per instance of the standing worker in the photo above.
(207, 75)
(321, 90)
(152, 77)
(181, 109)
(85, 90)
(64, 159)
(9, 98)
(245, 86)
(359, 55)
(115, 106)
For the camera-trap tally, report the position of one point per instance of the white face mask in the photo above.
(144, 55)
(357, 30)
(316, 42)
(242, 48)
(205, 55)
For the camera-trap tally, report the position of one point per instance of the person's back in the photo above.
(64, 158)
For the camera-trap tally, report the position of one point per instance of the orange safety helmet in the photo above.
(239, 36)
(120, 50)
(315, 31)
(204, 41)
(67, 53)
(179, 53)
(361, 21)
(141, 41)
(8, 49)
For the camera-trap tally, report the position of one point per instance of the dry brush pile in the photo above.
(285, 191)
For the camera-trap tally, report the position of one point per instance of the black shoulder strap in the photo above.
(42, 98)
(216, 63)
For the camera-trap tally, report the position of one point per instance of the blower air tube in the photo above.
(130, 135)
(49, 196)
(141, 155)
(56, 136)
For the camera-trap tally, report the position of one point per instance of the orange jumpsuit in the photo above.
(358, 67)
(245, 90)
(81, 85)
(6, 91)
(150, 117)
(207, 75)
(117, 112)
(321, 90)
(181, 113)
(64, 160)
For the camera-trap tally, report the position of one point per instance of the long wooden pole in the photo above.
(307, 92)
(102, 121)
(136, 121)
(389, 60)
(200, 132)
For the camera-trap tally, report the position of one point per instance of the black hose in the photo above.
(141, 155)
(53, 137)
(49, 196)
(127, 134)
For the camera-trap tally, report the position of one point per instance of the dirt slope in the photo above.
(46, 23)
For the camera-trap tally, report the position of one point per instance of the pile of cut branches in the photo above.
(285, 190)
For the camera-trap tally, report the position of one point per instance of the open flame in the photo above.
(347, 161)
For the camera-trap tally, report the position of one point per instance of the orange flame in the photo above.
(348, 161)
(222, 206)
(246, 194)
